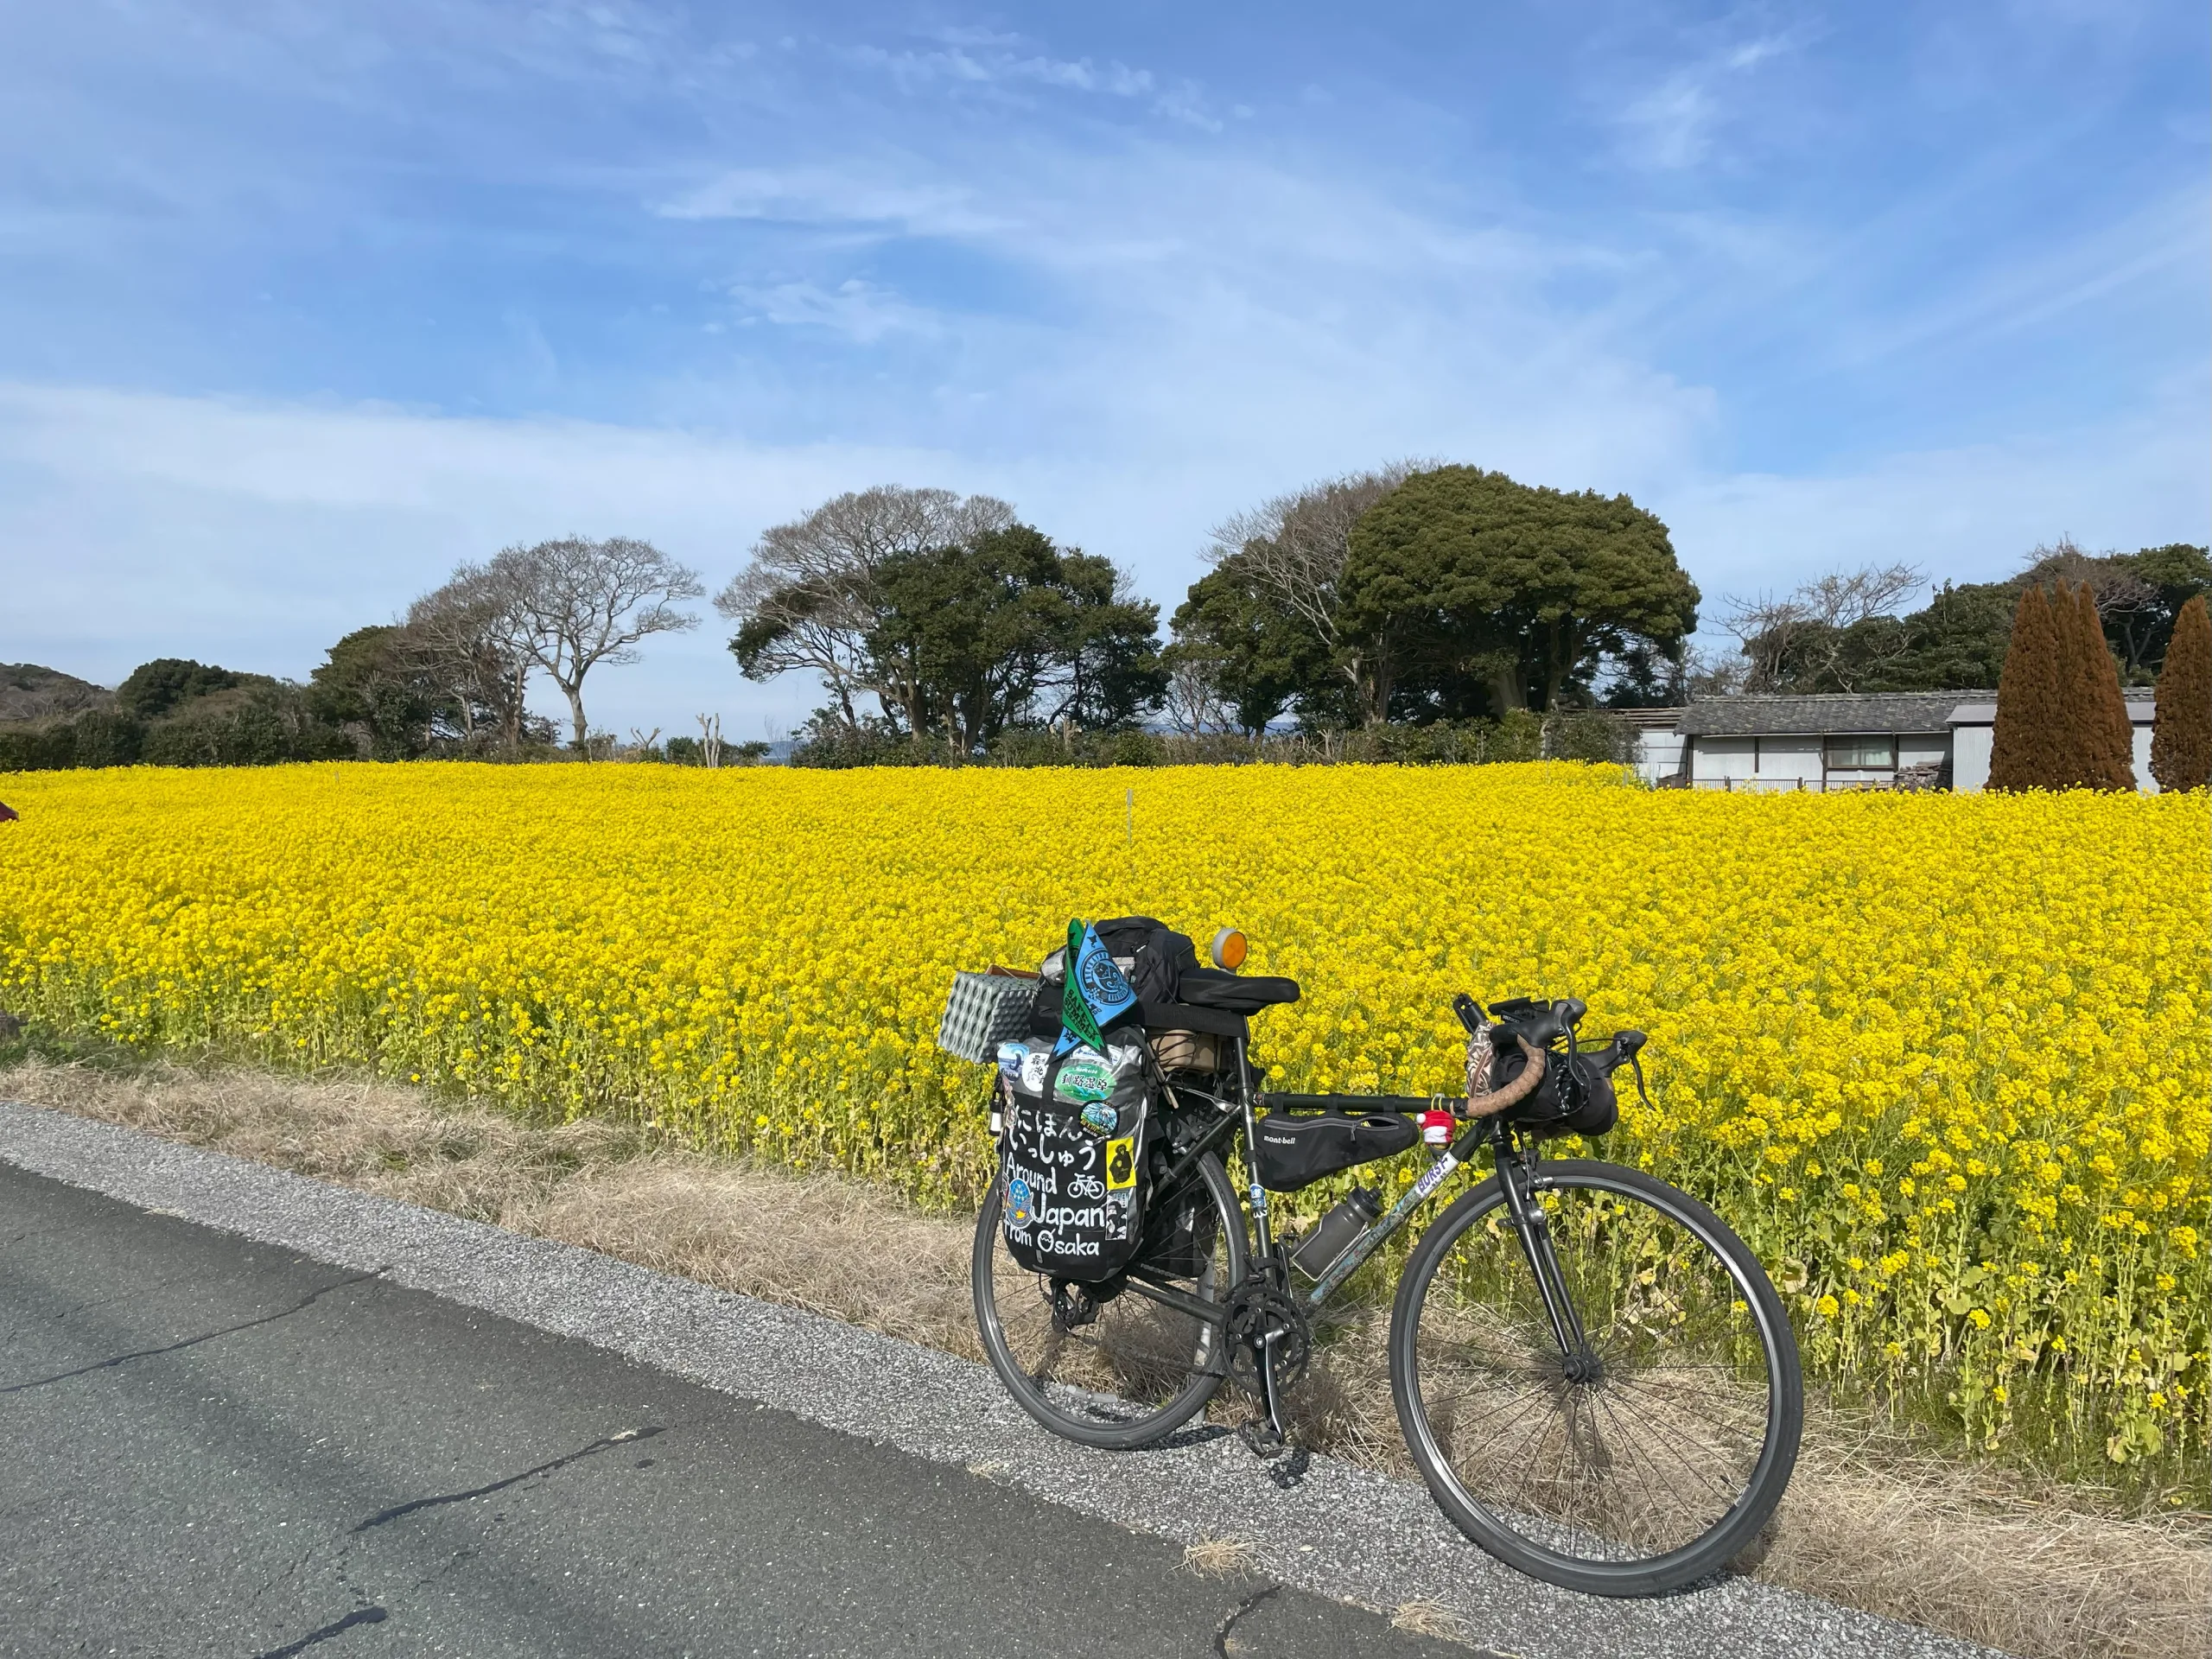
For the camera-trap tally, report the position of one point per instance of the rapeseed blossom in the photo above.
(1943, 1060)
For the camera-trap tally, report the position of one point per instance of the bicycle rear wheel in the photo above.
(1648, 1463)
(1138, 1370)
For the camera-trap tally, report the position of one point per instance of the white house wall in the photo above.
(2143, 780)
(1970, 759)
(1786, 762)
(1658, 754)
(1716, 761)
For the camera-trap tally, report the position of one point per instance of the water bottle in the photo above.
(1336, 1232)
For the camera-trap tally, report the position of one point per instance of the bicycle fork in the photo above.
(1533, 1228)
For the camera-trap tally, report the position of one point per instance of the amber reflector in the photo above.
(1228, 949)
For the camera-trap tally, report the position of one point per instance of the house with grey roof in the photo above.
(1911, 739)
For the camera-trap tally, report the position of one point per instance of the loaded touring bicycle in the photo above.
(1591, 1372)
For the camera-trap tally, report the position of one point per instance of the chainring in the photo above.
(1259, 1308)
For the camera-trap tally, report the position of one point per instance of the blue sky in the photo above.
(302, 302)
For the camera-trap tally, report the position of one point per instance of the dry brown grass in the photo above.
(1220, 1558)
(1871, 1521)
(1422, 1616)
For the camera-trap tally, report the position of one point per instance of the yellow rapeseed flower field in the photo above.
(1943, 1059)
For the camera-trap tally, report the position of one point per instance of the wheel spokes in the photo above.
(1643, 1458)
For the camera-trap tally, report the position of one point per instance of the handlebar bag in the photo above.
(1289, 1152)
(1575, 1098)
(1074, 1152)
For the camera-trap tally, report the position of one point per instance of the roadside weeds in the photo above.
(1871, 1521)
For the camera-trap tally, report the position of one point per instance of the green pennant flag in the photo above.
(1077, 1019)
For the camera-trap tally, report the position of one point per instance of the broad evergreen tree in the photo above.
(2181, 739)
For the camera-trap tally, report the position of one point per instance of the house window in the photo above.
(1862, 754)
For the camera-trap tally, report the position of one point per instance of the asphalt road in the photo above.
(211, 1445)
(813, 1487)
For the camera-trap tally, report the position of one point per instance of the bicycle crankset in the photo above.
(1260, 1309)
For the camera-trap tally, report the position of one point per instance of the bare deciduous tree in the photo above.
(469, 639)
(807, 600)
(1193, 702)
(1803, 630)
(2126, 604)
(1296, 546)
(580, 603)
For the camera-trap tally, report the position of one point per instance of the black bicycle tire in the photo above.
(1739, 1527)
(1148, 1430)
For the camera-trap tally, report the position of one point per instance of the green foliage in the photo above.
(1460, 594)
(1589, 734)
(368, 687)
(2138, 595)
(253, 725)
(1260, 660)
(155, 689)
(105, 737)
(977, 637)
(1956, 643)
(1482, 583)
(96, 737)
(37, 748)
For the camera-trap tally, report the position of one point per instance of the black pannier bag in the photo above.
(1074, 1152)
(1289, 1151)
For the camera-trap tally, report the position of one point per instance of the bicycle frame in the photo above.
(1516, 1176)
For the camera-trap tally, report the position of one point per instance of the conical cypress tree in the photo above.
(2181, 737)
(2067, 742)
(2108, 759)
(2028, 700)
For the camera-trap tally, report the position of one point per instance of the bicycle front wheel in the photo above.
(1650, 1460)
(1134, 1370)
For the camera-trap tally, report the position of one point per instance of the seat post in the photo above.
(1263, 1240)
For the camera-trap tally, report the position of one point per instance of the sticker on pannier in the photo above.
(1071, 1167)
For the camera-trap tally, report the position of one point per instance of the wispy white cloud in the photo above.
(2162, 245)
(974, 61)
(1675, 124)
(882, 191)
(856, 310)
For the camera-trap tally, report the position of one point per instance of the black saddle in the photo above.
(1208, 987)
